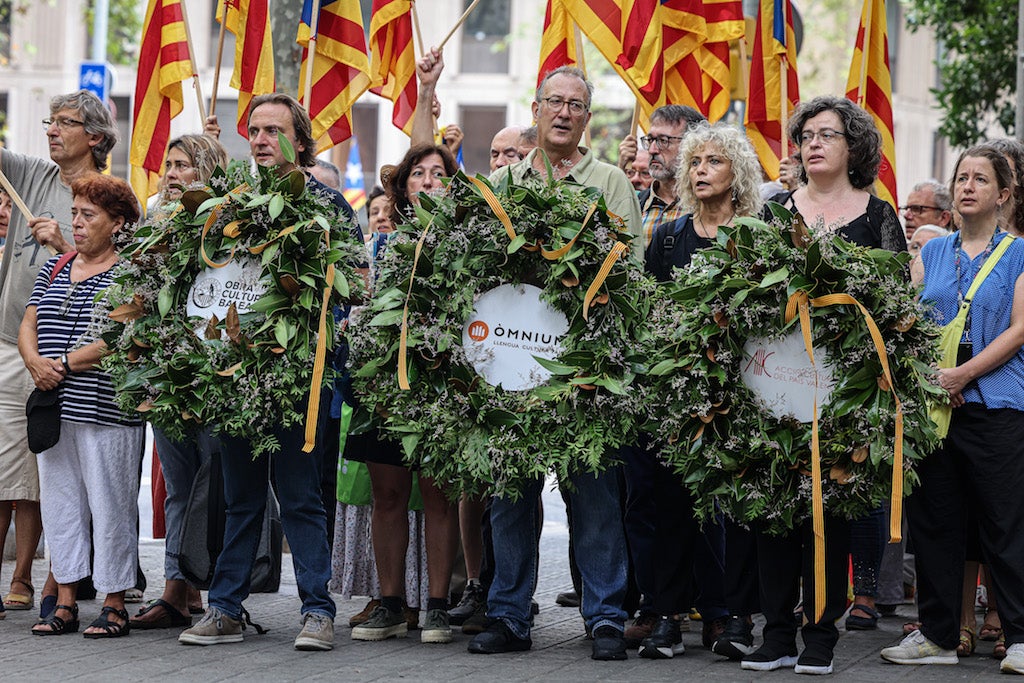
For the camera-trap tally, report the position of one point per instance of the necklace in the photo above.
(705, 233)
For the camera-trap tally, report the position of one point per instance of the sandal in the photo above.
(990, 631)
(58, 626)
(868, 622)
(20, 601)
(999, 651)
(111, 629)
(967, 642)
(171, 617)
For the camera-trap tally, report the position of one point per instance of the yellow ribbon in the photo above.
(319, 360)
(799, 303)
(602, 274)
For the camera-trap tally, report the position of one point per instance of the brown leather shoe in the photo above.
(361, 618)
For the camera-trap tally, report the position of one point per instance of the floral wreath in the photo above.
(453, 425)
(760, 281)
(254, 372)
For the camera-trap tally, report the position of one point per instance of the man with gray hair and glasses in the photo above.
(928, 202)
(81, 132)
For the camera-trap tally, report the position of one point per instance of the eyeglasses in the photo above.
(62, 123)
(918, 209)
(69, 300)
(826, 135)
(555, 104)
(663, 141)
(642, 174)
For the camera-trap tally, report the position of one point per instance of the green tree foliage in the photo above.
(124, 29)
(977, 68)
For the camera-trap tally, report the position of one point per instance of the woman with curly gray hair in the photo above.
(717, 180)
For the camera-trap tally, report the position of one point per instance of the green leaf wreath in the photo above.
(722, 439)
(251, 373)
(453, 425)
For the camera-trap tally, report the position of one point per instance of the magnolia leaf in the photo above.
(554, 367)
(164, 300)
(287, 148)
(210, 331)
(192, 200)
(341, 284)
(276, 206)
(516, 244)
(387, 318)
(228, 372)
(232, 325)
(282, 333)
(127, 312)
(296, 184)
(208, 203)
(774, 278)
(289, 284)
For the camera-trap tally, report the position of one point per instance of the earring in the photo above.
(735, 196)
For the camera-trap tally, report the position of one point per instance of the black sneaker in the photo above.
(498, 638)
(609, 644)
(665, 641)
(767, 658)
(815, 666)
(737, 641)
(470, 603)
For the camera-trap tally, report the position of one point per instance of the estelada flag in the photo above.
(774, 88)
(163, 64)
(253, 74)
(870, 86)
(392, 59)
(558, 42)
(340, 68)
(628, 34)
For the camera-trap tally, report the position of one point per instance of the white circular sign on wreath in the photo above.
(780, 374)
(215, 289)
(509, 326)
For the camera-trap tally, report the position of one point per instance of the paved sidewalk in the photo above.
(560, 651)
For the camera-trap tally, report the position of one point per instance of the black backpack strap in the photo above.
(670, 241)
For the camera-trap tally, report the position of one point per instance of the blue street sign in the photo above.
(95, 77)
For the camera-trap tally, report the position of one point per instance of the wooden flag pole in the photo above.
(636, 118)
(220, 52)
(192, 61)
(862, 82)
(744, 66)
(459, 23)
(416, 28)
(784, 97)
(314, 21)
(578, 39)
(20, 203)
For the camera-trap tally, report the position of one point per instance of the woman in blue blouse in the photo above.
(982, 458)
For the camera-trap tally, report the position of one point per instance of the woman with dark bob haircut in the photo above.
(840, 151)
(420, 170)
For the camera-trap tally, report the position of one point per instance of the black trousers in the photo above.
(981, 462)
(782, 562)
(740, 580)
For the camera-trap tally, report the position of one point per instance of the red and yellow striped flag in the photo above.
(684, 31)
(253, 74)
(628, 34)
(340, 68)
(774, 87)
(725, 23)
(163, 64)
(392, 59)
(558, 42)
(870, 86)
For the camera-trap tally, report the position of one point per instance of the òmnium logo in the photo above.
(780, 374)
(510, 326)
(478, 330)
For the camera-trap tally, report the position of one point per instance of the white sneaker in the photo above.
(1013, 663)
(916, 649)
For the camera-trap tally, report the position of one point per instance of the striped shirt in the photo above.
(64, 311)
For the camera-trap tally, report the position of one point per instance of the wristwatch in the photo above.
(64, 362)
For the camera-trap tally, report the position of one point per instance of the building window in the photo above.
(227, 58)
(122, 110)
(476, 149)
(484, 48)
(236, 144)
(364, 129)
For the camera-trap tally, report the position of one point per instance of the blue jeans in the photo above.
(599, 543)
(180, 461)
(297, 479)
